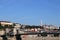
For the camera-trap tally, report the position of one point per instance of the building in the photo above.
(8, 23)
(7, 26)
(26, 28)
(17, 26)
(49, 27)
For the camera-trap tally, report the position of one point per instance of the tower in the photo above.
(41, 23)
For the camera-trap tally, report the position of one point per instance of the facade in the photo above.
(16, 27)
(3, 23)
(49, 27)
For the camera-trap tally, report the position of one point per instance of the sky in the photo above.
(31, 12)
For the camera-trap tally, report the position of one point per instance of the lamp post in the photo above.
(18, 36)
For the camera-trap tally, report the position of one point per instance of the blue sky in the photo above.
(31, 12)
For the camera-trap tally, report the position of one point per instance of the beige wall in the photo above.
(2, 32)
(6, 23)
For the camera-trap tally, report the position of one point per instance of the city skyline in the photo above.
(31, 12)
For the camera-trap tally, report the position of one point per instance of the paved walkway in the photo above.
(35, 38)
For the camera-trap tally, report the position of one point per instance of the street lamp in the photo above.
(18, 36)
